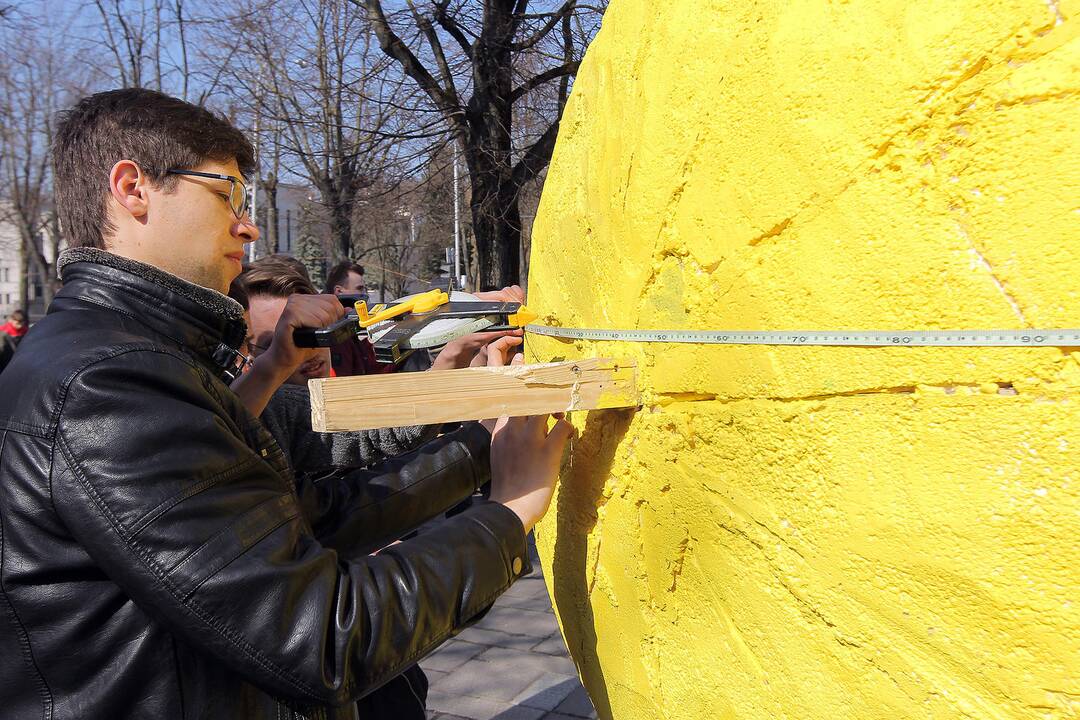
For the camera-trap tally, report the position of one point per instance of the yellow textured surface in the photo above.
(822, 532)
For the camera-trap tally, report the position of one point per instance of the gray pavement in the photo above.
(512, 665)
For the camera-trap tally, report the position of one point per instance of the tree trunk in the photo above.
(41, 267)
(341, 230)
(497, 225)
(489, 154)
(496, 173)
(24, 281)
(339, 204)
(273, 231)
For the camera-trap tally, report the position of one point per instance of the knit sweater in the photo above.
(288, 418)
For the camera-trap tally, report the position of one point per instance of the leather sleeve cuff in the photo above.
(477, 441)
(505, 525)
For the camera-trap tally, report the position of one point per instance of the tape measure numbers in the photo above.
(855, 338)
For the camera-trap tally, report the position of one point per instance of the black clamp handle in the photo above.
(336, 334)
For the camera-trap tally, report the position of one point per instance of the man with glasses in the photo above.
(158, 559)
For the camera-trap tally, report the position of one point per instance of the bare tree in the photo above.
(320, 95)
(401, 232)
(35, 83)
(151, 44)
(462, 55)
(128, 33)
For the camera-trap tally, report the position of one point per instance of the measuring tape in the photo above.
(852, 338)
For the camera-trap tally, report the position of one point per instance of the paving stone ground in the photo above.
(512, 665)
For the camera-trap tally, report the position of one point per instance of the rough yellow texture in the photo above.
(822, 532)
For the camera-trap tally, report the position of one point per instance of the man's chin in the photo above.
(231, 271)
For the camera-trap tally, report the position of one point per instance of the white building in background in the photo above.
(290, 198)
(9, 267)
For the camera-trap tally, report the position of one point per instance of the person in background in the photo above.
(355, 356)
(269, 283)
(263, 290)
(288, 413)
(346, 278)
(290, 261)
(318, 456)
(15, 327)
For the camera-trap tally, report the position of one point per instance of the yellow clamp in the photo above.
(521, 318)
(425, 302)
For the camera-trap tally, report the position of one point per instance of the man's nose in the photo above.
(246, 229)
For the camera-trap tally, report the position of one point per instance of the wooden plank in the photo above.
(375, 401)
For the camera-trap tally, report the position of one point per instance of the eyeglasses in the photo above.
(239, 195)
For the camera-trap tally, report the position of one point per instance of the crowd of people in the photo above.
(175, 540)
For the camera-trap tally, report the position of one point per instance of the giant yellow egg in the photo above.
(805, 532)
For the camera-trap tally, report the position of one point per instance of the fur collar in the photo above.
(212, 300)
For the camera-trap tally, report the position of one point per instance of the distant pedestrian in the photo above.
(15, 326)
(14, 329)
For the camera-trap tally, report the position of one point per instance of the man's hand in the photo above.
(273, 367)
(525, 460)
(470, 349)
(300, 311)
(466, 351)
(525, 455)
(498, 354)
(514, 293)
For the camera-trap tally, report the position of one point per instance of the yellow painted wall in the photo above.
(822, 532)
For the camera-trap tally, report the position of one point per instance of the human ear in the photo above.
(127, 185)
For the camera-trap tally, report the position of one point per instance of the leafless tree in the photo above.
(322, 100)
(36, 81)
(150, 43)
(466, 57)
(401, 233)
(364, 103)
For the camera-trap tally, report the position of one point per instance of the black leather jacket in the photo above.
(157, 558)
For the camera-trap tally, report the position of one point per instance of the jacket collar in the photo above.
(203, 321)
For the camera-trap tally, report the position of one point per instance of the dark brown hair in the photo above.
(340, 273)
(238, 292)
(276, 277)
(151, 129)
(282, 259)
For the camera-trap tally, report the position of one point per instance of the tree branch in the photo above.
(567, 8)
(536, 157)
(446, 74)
(450, 26)
(394, 47)
(537, 80)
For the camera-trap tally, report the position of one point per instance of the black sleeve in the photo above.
(363, 510)
(154, 480)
